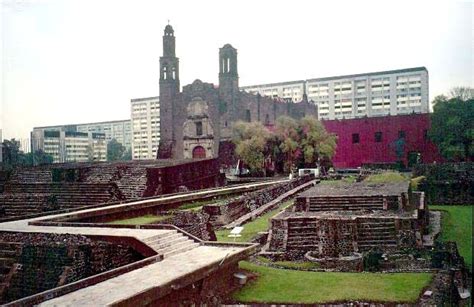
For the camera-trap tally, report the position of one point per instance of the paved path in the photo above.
(153, 276)
(251, 215)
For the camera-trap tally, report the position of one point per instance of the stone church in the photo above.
(197, 121)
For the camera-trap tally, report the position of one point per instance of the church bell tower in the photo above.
(169, 89)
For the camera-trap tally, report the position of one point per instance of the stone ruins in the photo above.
(331, 223)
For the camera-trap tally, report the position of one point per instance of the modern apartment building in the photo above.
(70, 146)
(120, 130)
(374, 94)
(145, 115)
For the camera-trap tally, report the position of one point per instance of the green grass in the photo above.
(141, 220)
(251, 229)
(415, 182)
(456, 225)
(303, 287)
(386, 177)
(299, 265)
(197, 205)
(346, 179)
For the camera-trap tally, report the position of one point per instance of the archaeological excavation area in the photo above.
(130, 234)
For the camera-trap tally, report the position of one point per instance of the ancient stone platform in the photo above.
(186, 259)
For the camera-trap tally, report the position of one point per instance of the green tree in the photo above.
(12, 155)
(250, 141)
(115, 151)
(286, 129)
(452, 128)
(316, 142)
(38, 157)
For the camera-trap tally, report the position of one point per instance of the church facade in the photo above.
(196, 122)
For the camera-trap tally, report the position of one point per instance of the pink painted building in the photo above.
(384, 139)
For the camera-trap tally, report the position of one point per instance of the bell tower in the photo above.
(169, 89)
(228, 75)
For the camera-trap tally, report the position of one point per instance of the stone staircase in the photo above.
(31, 175)
(302, 234)
(340, 203)
(376, 233)
(9, 253)
(171, 243)
(22, 204)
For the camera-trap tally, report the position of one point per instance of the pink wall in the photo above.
(367, 150)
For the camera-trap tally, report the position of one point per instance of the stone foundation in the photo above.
(46, 261)
(222, 214)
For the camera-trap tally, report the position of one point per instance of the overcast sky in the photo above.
(66, 62)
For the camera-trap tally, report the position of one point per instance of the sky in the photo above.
(67, 61)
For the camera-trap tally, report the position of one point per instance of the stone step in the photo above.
(301, 246)
(177, 245)
(157, 245)
(7, 253)
(380, 242)
(180, 250)
(163, 235)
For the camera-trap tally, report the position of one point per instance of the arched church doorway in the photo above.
(199, 152)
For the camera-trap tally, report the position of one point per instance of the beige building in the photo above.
(392, 92)
(70, 146)
(145, 117)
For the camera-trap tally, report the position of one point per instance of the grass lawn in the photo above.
(198, 204)
(141, 220)
(290, 286)
(251, 229)
(300, 265)
(456, 225)
(386, 177)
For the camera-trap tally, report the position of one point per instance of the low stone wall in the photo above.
(195, 223)
(222, 214)
(447, 183)
(213, 290)
(353, 263)
(331, 234)
(192, 175)
(51, 260)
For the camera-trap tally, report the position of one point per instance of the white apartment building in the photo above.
(120, 130)
(382, 93)
(70, 146)
(145, 114)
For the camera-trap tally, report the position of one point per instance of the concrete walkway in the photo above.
(154, 277)
(268, 206)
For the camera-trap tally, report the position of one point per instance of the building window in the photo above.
(378, 137)
(355, 138)
(198, 128)
(247, 116)
(401, 134)
(425, 135)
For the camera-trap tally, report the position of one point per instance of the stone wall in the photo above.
(447, 183)
(193, 175)
(222, 214)
(195, 223)
(213, 290)
(51, 260)
(294, 234)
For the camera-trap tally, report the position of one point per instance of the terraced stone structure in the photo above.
(35, 190)
(332, 221)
